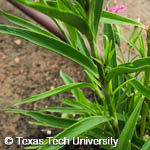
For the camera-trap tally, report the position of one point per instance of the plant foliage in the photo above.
(120, 107)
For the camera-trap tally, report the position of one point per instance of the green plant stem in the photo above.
(132, 34)
(112, 113)
(144, 106)
(111, 109)
(144, 116)
(146, 83)
(95, 55)
(122, 55)
(106, 90)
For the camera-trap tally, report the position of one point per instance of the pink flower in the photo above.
(117, 9)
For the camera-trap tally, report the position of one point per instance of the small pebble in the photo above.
(18, 42)
(46, 131)
(17, 60)
(52, 87)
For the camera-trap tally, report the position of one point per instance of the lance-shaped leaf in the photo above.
(109, 33)
(95, 15)
(112, 18)
(25, 24)
(51, 44)
(65, 16)
(129, 128)
(139, 87)
(55, 91)
(82, 46)
(76, 130)
(146, 146)
(78, 94)
(77, 104)
(68, 110)
(135, 66)
(31, 147)
(47, 119)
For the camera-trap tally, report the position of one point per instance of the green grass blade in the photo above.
(68, 110)
(135, 66)
(132, 44)
(78, 94)
(92, 79)
(76, 130)
(61, 28)
(129, 128)
(55, 91)
(142, 45)
(51, 44)
(48, 119)
(77, 104)
(112, 18)
(120, 86)
(82, 46)
(109, 33)
(96, 11)
(72, 34)
(139, 87)
(31, 147)
(25, 24)
(146, 146)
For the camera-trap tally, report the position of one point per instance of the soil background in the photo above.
(26, 70)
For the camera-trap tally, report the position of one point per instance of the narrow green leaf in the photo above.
(117, 31)
(129, 128)
(120, 86)
(25, 24)
(68, 110)
(52, 3)
(106, 49)
(31, 147)
(92, 79)
(112, 18)
(61, 28)
(68, 5)
(99, 133)
(146, 146)
(78, 94)
(72, 34)
(82, 46)
(135, 66)
(77, 104)
(80, 9)
(139, 87)
(48, 119)
(109, 33)
(55, 91)
(51, 44)
(76, 130)
(65, 16)
(132, 44)
(97, 11)
(142, 45)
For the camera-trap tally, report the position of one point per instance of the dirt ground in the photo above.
(26, 70)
